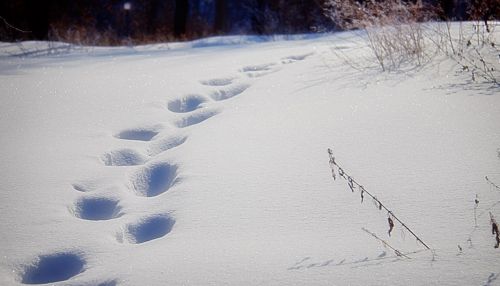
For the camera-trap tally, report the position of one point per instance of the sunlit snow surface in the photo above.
(205, 163)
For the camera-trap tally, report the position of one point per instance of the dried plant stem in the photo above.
(494, 230)
(353, 184)
(491, 183)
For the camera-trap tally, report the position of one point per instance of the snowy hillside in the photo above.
(206, 163)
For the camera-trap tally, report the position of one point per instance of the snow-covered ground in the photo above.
(206, 163)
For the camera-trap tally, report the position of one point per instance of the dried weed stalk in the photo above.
(393, 28)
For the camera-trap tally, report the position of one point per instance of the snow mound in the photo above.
(226, 93)
(196, 117)
(165, 143)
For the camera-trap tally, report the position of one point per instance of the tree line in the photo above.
(113, 21)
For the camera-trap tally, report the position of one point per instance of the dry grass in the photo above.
(393, 28)
(398, 36)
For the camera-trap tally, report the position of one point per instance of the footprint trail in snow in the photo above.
(148, 179)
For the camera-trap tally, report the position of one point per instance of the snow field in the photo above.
(209, 166)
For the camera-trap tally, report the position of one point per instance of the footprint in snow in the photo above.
(96, 208)
(187, 103)
(146, 229)
(154, 180)
(52, 268)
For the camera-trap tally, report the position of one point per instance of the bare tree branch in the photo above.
(13, 27)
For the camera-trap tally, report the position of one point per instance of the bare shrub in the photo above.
(473, 46)
(398, 35)
(484, 10)
(393, 28)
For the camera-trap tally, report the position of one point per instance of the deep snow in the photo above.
(205, 163)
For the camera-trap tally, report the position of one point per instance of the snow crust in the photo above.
(205, 163)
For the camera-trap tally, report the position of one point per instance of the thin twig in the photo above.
(385, 243)
(476, 203)
(482, 213)
(491, 183)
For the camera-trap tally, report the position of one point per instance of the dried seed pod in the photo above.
(362, 194)
(391, 225)
(494, 230)
(341, 173)
(380, 206)
(350, 183)
(332, 164)
(332, 160)
(494, 225)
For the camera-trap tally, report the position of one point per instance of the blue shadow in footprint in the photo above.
(150, 228)
(96, 208)
(53, 268)
(137, 134)
(186, 104)
(154, 180)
